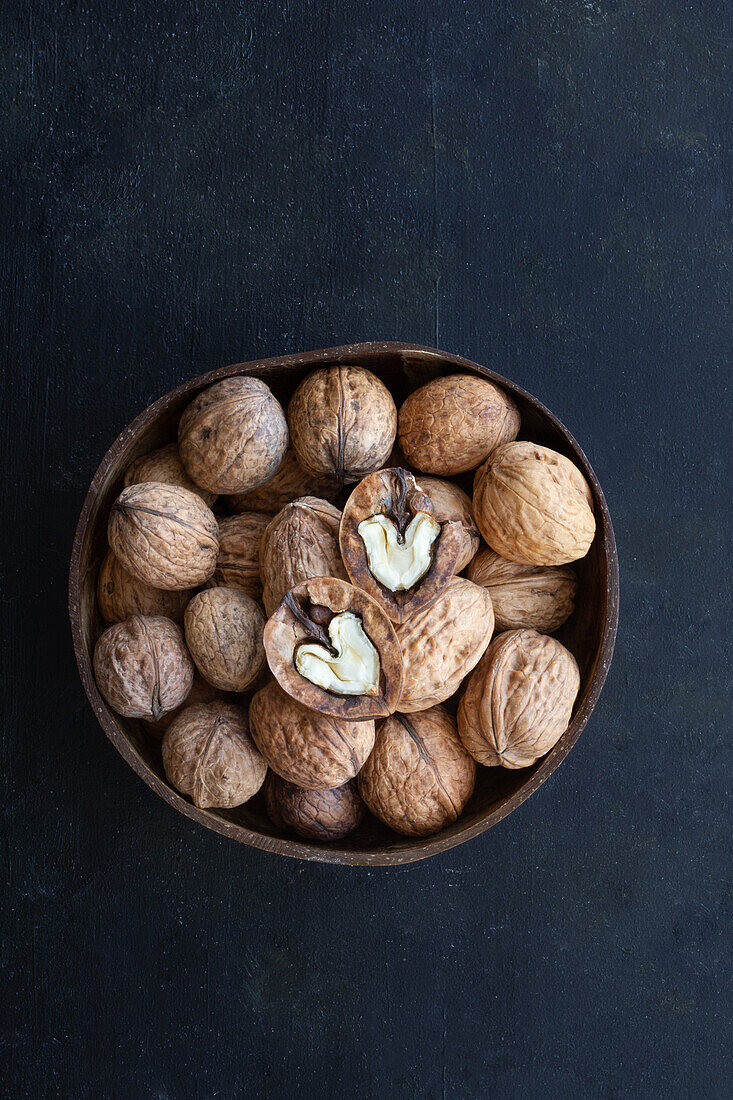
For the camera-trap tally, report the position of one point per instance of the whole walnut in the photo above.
(224, 635)
(304, 747)
(200, 692)
(418, 777)
(442, 644)
(208, 754)
(343, 423)
(518, 700)
(538, 596)
(238, 564)
(302, 541)
(165, 465)
(452, 505)
(233, 436)
(120, 595)
(316, 815)
(164, 535)
(533, 505)
(452, 424)
(289, 483)
(142, 666)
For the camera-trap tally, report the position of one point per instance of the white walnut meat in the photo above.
(289, 483)
(121, 595)
(164, 535)
(224, 635)
(300, 542)
(142, 667)
(312, 750)
(316, 815)
(238, 563)
(209, 755)
(165, 465)
(452, 424)
(452, 505)
(233, 436)
(533, 505)
(518, 700)
(541, 597)
(418, 777)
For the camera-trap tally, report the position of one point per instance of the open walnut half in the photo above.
(392, 545)
(332, 648)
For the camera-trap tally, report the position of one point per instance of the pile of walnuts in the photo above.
(307, 604)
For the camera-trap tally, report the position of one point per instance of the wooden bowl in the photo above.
(589, 633)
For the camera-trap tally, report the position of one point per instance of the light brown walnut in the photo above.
(200, 692)
(300, 542)
(289, 483)
(452, 505)
(208, 754)
(224, 635)
(238, 564)
(316, 815)
(142, 667)
(538, 596)
(165, 465)
(120, 595)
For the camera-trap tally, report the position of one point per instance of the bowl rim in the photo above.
(420, 847)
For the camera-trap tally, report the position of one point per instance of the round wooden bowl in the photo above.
(589, 633)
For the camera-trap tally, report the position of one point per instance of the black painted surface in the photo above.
(541, 185)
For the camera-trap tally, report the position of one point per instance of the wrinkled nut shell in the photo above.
(519, 699)
(452, 424)
(208, 754)
(142, 667)
(164, 535)
(311, 750)
(316, 815)
(165, 465)
(418, 777)
(238, 564)
(200, 692)
(233, 436)
(533, 505)
(299, 543)
(121, 595)
(289, 483)
(452, 505)
(538, 596)
(224, 635)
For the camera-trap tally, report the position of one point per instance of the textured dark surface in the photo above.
(541, 186)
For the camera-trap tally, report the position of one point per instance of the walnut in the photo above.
(238, 564)
(452, 505)
(300, 542)
(233, 436)
(142, 666)
(538, 596)
(316, 815)
(164, 535)
(289, 483)
(165, 465)
(518, 701)
(533, 505)
(441, 644)
(332, 648)
(209, 755)
(200, 692)
(120, 595)
(343, 423)
(453, 424)
(418, 777)
(224, 634)
(304, 747)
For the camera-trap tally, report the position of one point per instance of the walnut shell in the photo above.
(238, 564)
(316, 815)
(442, 644)
(453, 424)
(165, 465)
(208, 754)
(518, 701)
(538, 596)
(300, 542)
(233, 436)
(120, 595)
(289, 483)
(306, 748)
(200, 692)
(418, 777)
(142, 666)
(343, 423)
(452, 505)
(224, 635)
(533, 505)
(164, 535)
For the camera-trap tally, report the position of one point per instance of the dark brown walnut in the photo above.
(538, 596)
(289, 483)
(311, 750)
(164, 535)
(393, 545)
(452, 505)
(343, 423)
(442, 644)
(302, 541)
(165, 465)
(233, 436)
(224, 635)
(518, 700)
(120, 595)
(418, 777)
(209, 755)
(200, 692)
(316, 815)
(452, 424)
(238, 564)
(306, 624)
(142, 666)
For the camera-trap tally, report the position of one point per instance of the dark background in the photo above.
(542, 186)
